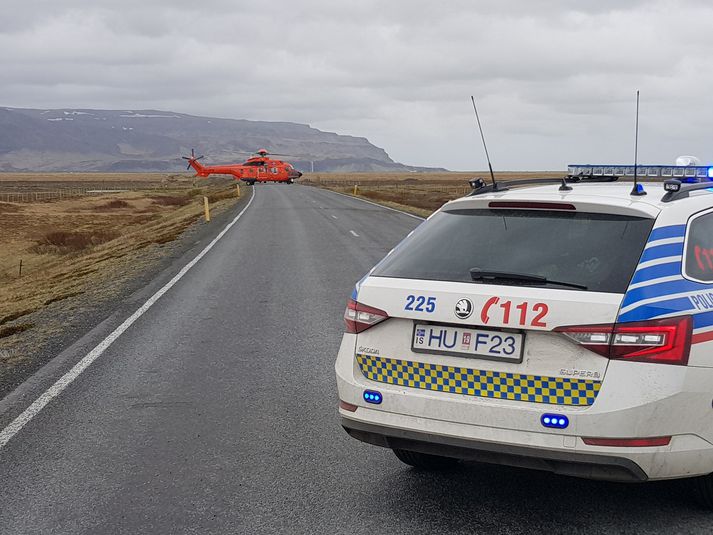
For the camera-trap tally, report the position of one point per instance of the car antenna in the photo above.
(487, 156)
(637, 190)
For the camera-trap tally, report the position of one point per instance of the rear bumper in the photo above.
(589, 466)
(636, 400)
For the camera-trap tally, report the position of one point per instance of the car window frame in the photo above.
(686, 242)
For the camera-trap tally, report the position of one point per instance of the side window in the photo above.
(274, 170)
(699, 249)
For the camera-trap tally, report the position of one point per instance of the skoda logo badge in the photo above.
(464, 308)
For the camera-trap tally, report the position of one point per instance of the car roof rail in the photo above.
(675, 189)
(480, 187)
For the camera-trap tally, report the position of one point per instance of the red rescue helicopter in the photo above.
(258, 168)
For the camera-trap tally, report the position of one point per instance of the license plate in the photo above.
(478, 343)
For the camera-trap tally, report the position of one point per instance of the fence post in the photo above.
(207, 209)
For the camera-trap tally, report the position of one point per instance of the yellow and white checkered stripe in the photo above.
(481, 383)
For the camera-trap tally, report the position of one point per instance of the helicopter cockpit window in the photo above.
(274, 170)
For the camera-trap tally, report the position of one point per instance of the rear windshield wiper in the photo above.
(494, 277)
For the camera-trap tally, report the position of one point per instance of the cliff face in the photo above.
(149, 140)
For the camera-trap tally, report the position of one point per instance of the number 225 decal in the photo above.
(420, 303)
(522, 314)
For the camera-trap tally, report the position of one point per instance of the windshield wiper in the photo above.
(494, 277)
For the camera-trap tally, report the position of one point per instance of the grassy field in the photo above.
(418, 193)
(55, 250)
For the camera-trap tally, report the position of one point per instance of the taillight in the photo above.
(359, 317)
(666, 341)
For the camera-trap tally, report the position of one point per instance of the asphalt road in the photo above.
(215, 412)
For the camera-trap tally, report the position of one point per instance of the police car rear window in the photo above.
(599, 251)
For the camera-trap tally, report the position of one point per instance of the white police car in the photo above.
(560, 327)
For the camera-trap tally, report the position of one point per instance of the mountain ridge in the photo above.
(84, 139)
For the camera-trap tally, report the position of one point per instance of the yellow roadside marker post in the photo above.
(207, 209)
(356, 189)
(237, 189)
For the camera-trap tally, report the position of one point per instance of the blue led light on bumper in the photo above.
(555, 421)
(372, 396)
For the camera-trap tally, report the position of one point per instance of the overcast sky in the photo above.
(555, 80)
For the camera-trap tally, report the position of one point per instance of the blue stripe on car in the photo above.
(662, 290)
(703, 320)
(662, 251)
(665, 304)
(656, 272)
(660, 308)
(672, 231)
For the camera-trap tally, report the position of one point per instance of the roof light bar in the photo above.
(694, 172)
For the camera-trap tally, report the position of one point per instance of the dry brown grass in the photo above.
(447, 178)
(64, 241)
(418, 193)
(218, 196)
(171, 200)
(15, 329)
(112, 205)
(78, 245)
(63, 178)
(9, 208)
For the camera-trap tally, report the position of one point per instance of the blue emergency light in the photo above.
(554, 421)
(684, 173)
(372, 396)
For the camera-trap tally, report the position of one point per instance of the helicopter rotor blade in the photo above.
(192, 158)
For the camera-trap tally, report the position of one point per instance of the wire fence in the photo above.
(38, 196)
(73, 192)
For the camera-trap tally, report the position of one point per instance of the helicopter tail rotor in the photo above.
(192, 158)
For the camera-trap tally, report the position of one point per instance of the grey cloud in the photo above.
(555, 78)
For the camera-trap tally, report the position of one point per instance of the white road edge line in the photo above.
(63, 382)
(375, 204)
(354, 233)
